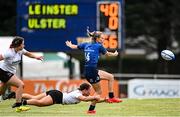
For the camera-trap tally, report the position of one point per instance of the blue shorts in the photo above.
(91, 74)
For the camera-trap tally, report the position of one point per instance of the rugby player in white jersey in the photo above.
(12, 57)
(57, 97)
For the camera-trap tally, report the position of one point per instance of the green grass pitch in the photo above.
(129, 107)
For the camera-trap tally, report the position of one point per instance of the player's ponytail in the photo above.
(90, 34)
(94, 35)
(17, 41)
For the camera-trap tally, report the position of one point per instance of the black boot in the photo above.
(16, 105)
(9, 96)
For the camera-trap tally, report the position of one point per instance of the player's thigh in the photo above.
(46, 100)
(29, 96)
(40, 96)
(104, 75)
(15, 81)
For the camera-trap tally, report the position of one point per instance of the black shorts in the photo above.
(57, 96)
(5, 75)
(91, 75)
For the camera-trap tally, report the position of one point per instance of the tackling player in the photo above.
(57, 97)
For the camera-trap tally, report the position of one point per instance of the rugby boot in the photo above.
(113, 100)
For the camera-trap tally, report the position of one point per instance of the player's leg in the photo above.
(3, 87)
(52, 97)
(26, 95)
(91, 74)
(29, 96)
(98, 91)
(97, 88)
(45, 101)
(108, 76)
(14, 81)
(4, 78)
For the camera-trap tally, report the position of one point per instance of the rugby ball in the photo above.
(167, 55)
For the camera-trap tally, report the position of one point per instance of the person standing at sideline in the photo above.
(12, 57)
(92, 52)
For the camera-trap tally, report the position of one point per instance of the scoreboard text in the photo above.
(47, 24)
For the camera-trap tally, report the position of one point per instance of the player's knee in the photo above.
(21, 85)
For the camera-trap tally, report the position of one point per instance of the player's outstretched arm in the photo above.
(89, 98)
(101, 100)
(112, 53)
(69, 44)
(31, 55)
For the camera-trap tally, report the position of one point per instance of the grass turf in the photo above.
(129, 107)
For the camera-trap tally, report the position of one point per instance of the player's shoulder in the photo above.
(8, 52)
(77, 91)
(24, 50)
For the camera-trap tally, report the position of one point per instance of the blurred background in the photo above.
(138, 29)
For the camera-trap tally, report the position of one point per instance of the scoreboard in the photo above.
(109, 22)
(47, 24)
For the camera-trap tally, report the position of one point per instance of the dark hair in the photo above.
(17, 41)
(84, 86)
(94, 35)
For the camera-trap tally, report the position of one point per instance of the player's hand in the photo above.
(115, 53)
(40, 58)
(97, 97)
(68, 43)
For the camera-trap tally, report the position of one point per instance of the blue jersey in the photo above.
(92, 52)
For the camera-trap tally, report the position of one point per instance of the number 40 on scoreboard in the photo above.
(109, 21)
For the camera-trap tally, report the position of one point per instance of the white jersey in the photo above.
(72, 97)
(11, 59)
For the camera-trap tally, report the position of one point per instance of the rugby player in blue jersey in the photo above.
(92, 52)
